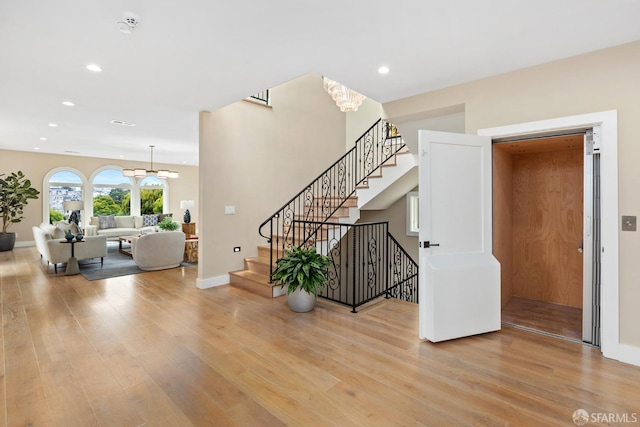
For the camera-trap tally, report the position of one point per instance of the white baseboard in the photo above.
(24, 244)
(212, 282)
(625, 353)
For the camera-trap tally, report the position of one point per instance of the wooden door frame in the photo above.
(610, 307)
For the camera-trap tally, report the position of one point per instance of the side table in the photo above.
(189, 228)
(191, 249)
(72, 264)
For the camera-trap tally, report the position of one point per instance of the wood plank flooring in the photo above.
(543, 316)
(153, 350)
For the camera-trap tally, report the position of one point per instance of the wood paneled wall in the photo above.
(503, 218)
(546, 224)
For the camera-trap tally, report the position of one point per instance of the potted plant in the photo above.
(304, 272)
(15, 192)
(167, 224)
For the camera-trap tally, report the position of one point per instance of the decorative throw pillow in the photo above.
(49, 229)
(161, 217)
(62, 227)
(149, 220)
(125, 221)
(106, 221)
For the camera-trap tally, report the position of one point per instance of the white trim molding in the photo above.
(213, 282)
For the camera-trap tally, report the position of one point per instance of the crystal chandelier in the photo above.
(141, 173)
(345, 98)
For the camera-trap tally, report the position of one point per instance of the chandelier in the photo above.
(345, 98)
(140, 173)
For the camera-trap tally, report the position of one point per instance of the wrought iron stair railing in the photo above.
(367, 262)
(322, 198)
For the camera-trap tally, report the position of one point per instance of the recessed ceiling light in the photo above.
(36, 148)
(383, 70)
(94, 67)
(121, 123)
(53, 125)
(43, 139)
(68, 103)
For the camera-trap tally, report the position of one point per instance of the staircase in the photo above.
(255, 275)
(354, 181)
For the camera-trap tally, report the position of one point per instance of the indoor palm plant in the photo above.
(304, 272)
(15, 192)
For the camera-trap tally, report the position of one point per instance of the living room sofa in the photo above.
(158, 251)
(113, 226)
(48, 240)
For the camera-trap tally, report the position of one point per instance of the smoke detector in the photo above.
(128, 23)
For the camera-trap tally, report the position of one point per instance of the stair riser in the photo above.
(263, 289)
(257, 265)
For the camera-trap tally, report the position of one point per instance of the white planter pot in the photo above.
(301, 301)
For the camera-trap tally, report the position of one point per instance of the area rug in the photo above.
(115, 264)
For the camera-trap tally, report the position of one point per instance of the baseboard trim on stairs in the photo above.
(212, 282)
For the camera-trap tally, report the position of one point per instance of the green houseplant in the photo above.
(15, 192)
(304, 272)
(167, 224)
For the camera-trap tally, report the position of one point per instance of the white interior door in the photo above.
(459, 284)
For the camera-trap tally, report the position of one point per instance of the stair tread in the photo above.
(257, 277)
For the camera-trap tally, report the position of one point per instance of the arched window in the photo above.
(61, 185)
(111, 193)
(152, 195)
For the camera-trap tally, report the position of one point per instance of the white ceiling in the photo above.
(202, 55)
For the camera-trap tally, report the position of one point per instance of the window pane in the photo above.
(65, 177)
(111, 177)
(151, 181)
(413, 213)
(63, 186)
(111, 193)
(151, 201)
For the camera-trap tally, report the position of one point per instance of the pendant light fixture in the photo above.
(141, 173)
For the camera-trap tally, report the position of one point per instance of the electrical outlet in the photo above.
(628, 223)
(229, 210)
(236, 249)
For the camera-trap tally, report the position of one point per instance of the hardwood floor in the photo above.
(542, 316)
(153, 350)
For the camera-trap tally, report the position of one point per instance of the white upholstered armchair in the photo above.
(157, 251)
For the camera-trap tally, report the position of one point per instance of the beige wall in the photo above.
(256, 159)
(396, 214)
(599, 81)
(36, 165)
(358, 122)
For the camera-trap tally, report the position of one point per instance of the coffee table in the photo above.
(125, 239)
